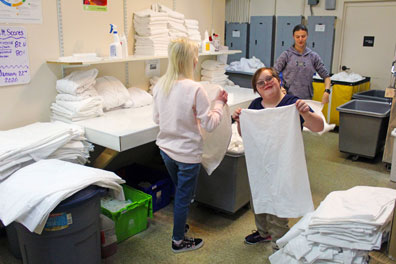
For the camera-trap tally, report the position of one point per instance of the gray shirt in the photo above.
(298, 70)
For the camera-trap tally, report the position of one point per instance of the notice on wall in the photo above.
(152, 68)
(94, 5)
(21, 11)
(14, 59)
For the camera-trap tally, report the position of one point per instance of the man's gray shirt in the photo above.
(298, 70)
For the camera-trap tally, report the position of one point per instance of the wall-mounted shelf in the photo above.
(133, 58)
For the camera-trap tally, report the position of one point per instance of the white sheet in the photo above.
(139, 97)
(275, 160)
(35, 190)
(113, 92)
(317, 107)
(215, 144)
(77, 82)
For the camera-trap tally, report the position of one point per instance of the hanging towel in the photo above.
(275, 161)
(215, 143)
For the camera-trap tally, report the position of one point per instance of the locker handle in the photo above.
(261, 23)
(313, 44)
(231, 45)
(283, 43)
(255, 42)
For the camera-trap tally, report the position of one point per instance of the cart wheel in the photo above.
(355, 157)
(388, 166)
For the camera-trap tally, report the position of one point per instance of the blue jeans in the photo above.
(184, 176)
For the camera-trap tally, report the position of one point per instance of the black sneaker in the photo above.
(256, 238)
(187, 244)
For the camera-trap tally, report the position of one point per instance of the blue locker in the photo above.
(261, 38)
(236, 39)
(321, 37)
(284, 33)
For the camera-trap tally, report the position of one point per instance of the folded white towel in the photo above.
(77, 82)
(149, 13)
(140, 97)
(113, 92)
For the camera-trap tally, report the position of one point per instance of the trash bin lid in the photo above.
(82, 196)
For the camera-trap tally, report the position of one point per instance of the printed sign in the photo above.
(20, 11)
(152, 68)
(14, 59)
(320, 28)
(94, 5)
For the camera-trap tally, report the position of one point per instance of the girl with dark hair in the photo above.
(298, 64)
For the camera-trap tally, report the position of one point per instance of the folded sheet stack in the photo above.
(192, 27)
(152, 34)
(344, 228)
(31, 193)
(22, 146)
(77, 98)
(176, 26)
(214, 72)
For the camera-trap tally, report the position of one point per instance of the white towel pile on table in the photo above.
(345, 226)
(113, 93)
(22, 146)
(236, 144)
(151, 36)
(77, 98)
(139, 97)
(176, 26)
(192, 27)
(343, 77)
(245, 65)
(30, 195)
(214, 72)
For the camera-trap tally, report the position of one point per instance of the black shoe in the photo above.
(187, 244)
(256, 238)
(186, 228)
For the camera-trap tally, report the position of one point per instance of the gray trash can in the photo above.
(227, 188)
(13, 242)
(243, 79)
(71, 234)
(375, 95)
(363, 126)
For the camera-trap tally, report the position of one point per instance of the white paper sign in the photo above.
(14, 59)
(20, 11)
(320, 28)
(152, 68)
(236, 33)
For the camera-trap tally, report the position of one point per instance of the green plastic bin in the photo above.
(131, 219)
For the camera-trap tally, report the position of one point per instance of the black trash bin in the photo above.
(71, 234)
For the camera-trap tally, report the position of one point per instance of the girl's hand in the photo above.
(222, 96)
(236, 114)
(302, 106)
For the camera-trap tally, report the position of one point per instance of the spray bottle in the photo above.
(115, 47)
(124, 45)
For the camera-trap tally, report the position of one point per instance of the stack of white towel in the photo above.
(152, 37)
(77, 98)
(214, 72)
(31, 193)
(22, 146)
(192, 27)
(344, 228)
(176, 26)
(246, 65)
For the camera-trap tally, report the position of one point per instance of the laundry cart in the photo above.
(227, 188)
(341, 93)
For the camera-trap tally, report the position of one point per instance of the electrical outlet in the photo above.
(313, 2)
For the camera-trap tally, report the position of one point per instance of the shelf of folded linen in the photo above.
(102, 60)
(123, 129)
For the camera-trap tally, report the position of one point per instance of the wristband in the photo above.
(328, 91)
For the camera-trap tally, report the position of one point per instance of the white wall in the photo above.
(85, 31)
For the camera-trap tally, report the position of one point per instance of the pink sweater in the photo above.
(180, 114)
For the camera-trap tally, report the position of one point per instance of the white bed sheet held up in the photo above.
(275, 159)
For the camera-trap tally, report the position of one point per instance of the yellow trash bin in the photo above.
(341, 93)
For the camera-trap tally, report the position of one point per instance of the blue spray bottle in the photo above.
(115, 47)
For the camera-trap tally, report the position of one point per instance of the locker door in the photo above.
(284, 33)
(321, 37)
(261, 36)
(236, 39)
